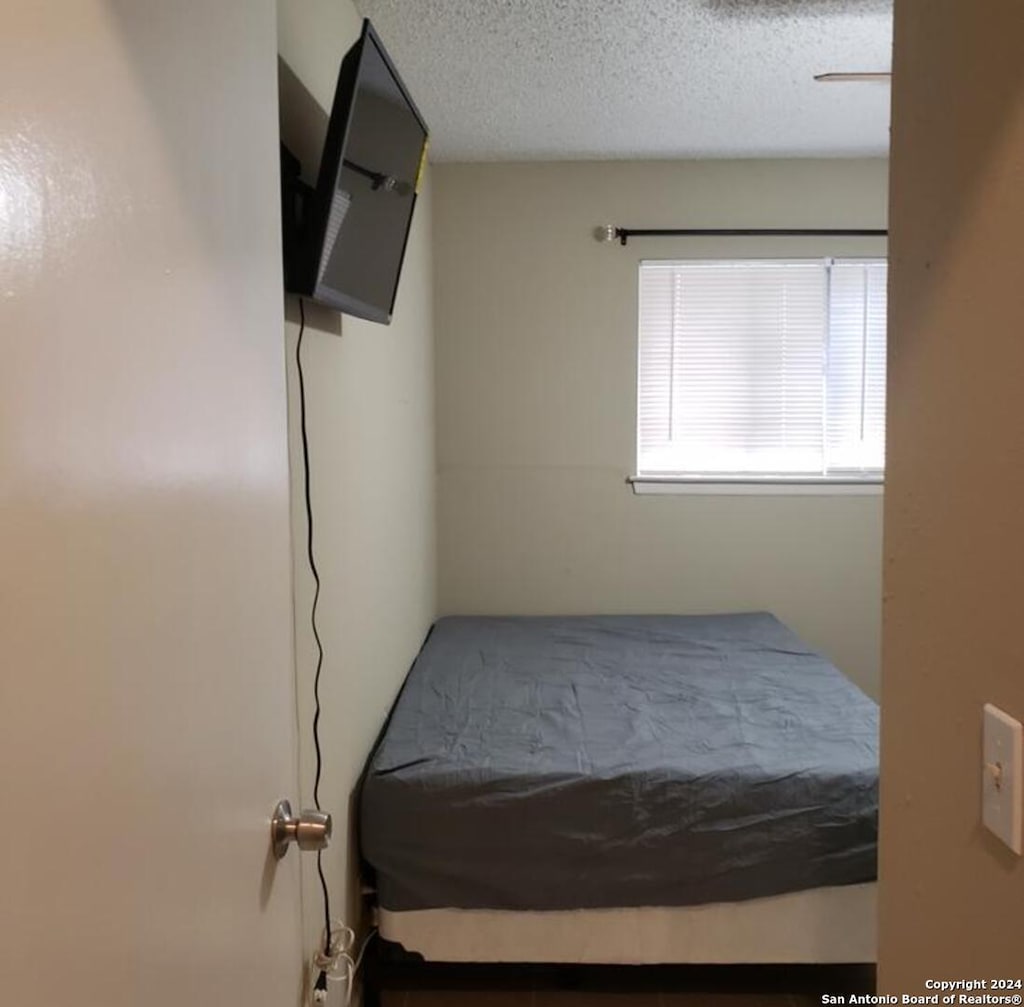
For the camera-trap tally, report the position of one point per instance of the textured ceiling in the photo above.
(565, 79)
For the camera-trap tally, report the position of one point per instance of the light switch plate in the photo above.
(1002, 745)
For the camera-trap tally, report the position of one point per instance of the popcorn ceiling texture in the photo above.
(506, 80)
(773, 8)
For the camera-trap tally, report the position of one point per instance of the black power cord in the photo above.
(321, 982)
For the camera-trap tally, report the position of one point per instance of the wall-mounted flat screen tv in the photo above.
(345, 240)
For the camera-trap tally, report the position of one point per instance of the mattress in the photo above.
(619, 761)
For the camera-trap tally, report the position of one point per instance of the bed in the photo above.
(638, 789)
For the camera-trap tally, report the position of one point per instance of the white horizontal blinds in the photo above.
(731, 357)
(856, 367)
(762, 368)
(654, 384)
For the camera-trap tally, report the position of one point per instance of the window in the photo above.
(764, 370)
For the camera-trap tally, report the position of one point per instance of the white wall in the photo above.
(951, 893)
(369, 391)
(536, 371)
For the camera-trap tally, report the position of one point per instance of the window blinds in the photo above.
(762, 368)
(855, 378)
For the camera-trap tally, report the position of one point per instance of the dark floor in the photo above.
(408, 983)
(537, 998)
(624, 986)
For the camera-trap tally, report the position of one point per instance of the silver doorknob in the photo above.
(311, 830)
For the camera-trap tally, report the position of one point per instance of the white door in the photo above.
(147, 710)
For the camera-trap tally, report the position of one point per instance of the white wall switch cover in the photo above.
(1001, 798)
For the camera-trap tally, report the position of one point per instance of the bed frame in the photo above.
(793, 935)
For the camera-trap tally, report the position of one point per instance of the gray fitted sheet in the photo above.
(580, 762)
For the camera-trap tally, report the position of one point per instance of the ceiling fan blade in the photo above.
(855, 77)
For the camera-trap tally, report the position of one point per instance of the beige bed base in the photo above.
(821, 925)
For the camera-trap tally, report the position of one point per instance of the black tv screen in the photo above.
(355, 227)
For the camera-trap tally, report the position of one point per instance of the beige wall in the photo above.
(369, 391)
(954, 582)
(536, 372)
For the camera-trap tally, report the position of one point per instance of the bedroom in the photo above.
(546, 497)
(535, 348)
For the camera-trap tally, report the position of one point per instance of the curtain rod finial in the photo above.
(605, 232)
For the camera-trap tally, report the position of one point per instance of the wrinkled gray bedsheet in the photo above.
(558, 763)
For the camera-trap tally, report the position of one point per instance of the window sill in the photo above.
(655, 485)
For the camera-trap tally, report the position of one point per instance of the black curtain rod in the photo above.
(625, 233)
